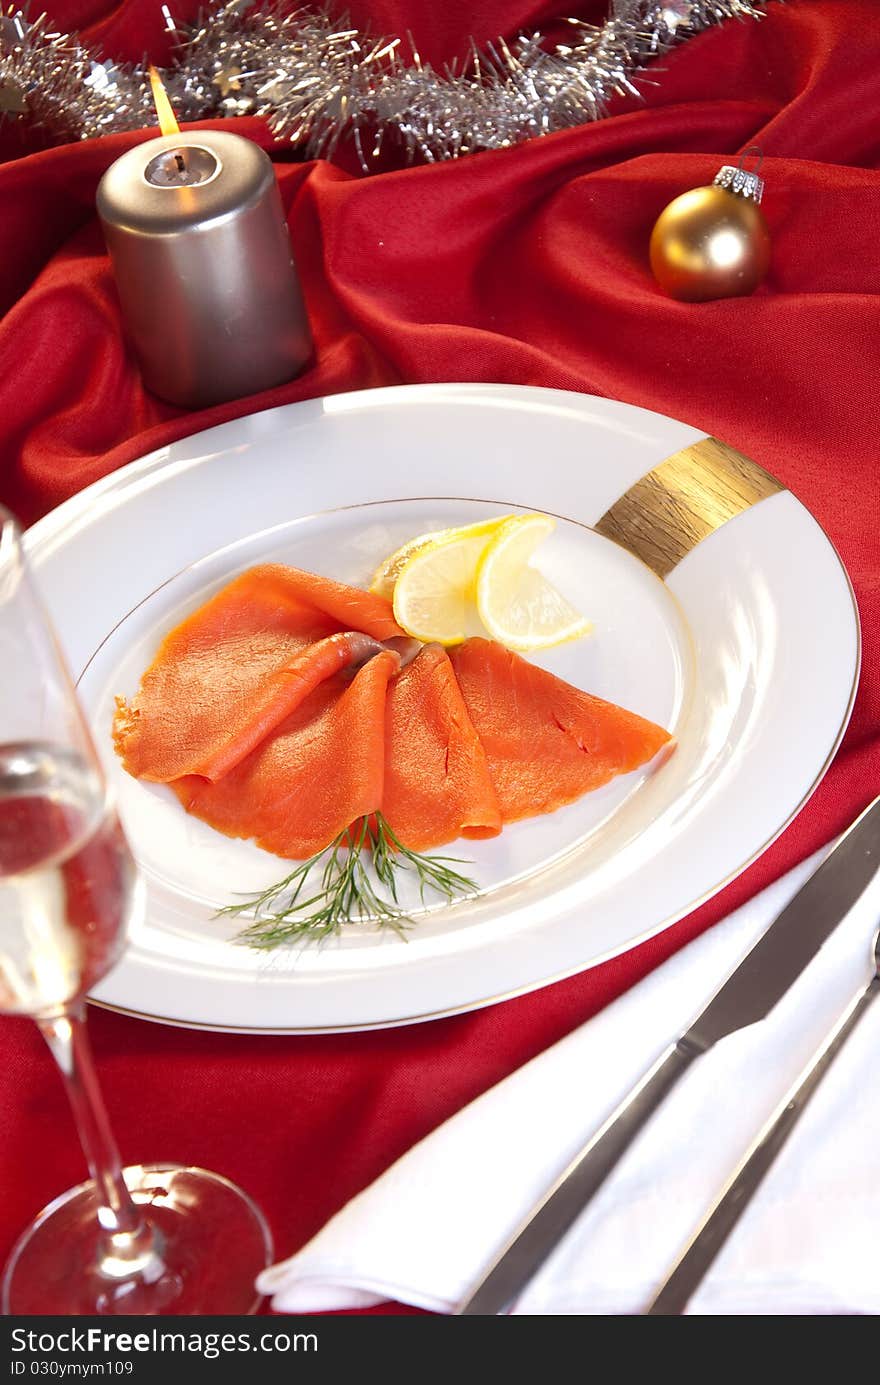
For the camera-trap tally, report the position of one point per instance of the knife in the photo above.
(749, 993)
(673, 1296)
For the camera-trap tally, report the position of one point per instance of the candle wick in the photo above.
(181, 166)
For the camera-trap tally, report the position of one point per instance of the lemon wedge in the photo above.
(516, 603)
(433, 582)
(387, 573)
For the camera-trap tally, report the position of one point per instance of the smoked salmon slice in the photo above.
(316, 773)
(437, 781)
(546, 742)
(275, 713)
(225, 677)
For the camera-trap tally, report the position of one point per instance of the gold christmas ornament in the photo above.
(713, 242)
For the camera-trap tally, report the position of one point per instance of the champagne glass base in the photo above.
(212, 1242)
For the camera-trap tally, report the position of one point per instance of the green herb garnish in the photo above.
(358, 884)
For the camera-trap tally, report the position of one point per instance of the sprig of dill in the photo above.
(346, 891)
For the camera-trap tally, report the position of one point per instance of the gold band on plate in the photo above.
(690, 495)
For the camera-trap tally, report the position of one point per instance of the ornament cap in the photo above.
(742, 181)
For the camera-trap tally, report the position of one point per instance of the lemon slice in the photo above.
(387, 572)
(517, 605)
(434, 582)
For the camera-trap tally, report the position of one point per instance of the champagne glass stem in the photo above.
(129, 1247)
(151, 1238)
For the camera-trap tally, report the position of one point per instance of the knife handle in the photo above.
(548, 1222)
(673, 1296)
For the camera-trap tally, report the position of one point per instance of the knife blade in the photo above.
(748, 994)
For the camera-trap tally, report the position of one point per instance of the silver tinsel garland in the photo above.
(316, 80)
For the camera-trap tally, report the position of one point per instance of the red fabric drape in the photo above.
(530, 266)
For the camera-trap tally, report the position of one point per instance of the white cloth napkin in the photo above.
(809, 1243)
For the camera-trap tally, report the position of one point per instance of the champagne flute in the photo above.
(153, 1238)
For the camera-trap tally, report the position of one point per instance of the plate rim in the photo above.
(57, 519)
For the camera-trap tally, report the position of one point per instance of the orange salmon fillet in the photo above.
(231, 672)
(251, 713)
(316, 773)
(546, 742)
(437, 781)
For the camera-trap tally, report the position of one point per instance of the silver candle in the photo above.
(203, 265)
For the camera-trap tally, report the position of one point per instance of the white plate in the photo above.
(749, 652)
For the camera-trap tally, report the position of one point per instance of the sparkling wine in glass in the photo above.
(152, 1238)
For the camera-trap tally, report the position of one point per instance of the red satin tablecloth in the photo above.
(527, 266)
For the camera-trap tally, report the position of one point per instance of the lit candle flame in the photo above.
(167, 120)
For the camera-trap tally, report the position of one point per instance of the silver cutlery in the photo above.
(749, 993)
(693, 1265)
